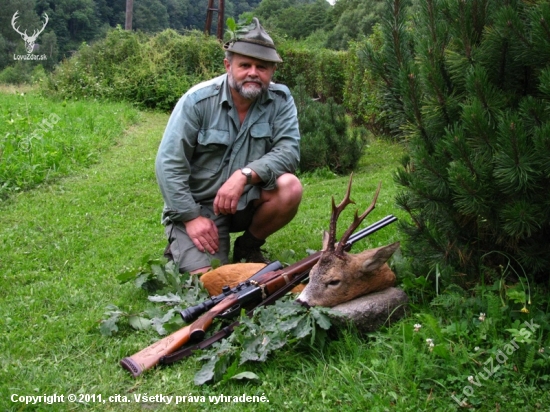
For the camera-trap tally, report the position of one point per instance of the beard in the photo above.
(248, 91)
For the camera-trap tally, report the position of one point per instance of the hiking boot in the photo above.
(249, 253)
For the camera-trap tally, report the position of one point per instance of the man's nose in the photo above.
(252, 71)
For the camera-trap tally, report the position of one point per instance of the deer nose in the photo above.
(301, 302)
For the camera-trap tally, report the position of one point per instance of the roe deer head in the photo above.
(339, 276)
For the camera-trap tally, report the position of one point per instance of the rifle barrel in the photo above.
(370, 229)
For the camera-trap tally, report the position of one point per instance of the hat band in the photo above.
(255, 41)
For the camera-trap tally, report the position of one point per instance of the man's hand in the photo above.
(204, 234)
(228, 196)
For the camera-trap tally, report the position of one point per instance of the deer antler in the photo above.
(336, 210)
(13, 24)
(35, 35)
(356, 222)
(25, 35)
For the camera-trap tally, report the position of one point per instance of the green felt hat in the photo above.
(255, 43)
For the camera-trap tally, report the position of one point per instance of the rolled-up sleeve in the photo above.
(172, 165)
(284, 156)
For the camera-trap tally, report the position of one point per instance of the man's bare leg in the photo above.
(200, 270)
(276, 208)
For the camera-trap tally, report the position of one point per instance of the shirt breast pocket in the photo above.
(261, 140)
(211, 150)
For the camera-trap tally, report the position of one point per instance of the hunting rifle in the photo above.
(262, 288)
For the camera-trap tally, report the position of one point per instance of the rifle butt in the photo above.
(149, 357)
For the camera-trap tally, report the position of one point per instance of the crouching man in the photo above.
(226, 160)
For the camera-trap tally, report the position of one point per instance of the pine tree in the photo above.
(468, 86)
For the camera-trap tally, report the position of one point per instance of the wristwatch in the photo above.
(247, 171)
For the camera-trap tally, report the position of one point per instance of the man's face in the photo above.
(249, 76)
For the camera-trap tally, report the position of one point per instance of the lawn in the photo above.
(63, 243)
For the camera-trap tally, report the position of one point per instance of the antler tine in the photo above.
(336, 210)
(15, 16)
(356, 222)
(35, 33)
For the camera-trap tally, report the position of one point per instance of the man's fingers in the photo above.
(204, 244)
(204, 234)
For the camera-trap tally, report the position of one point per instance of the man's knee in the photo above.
(289, 189)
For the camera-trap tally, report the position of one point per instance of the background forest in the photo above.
(73, 22)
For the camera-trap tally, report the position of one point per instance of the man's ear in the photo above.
(226, 64)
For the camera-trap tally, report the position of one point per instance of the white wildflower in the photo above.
(430, 343)
(481, 317)
(417, 327)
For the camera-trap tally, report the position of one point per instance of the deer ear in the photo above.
(381, 256)
(326, 239)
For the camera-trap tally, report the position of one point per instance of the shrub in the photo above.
(471, 94)
(14, 75)
(326, 141)
(320, 71)
(152, 72)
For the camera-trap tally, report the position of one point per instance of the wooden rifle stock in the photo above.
(149, 357)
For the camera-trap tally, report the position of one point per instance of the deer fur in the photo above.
(334, 280)
(231, 275)
(338, 276)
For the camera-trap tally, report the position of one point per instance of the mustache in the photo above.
(248, 80)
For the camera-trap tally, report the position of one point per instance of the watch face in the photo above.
(246, 170)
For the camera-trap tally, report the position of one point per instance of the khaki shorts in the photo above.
(186, 254)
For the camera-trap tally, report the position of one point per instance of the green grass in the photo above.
(62, 245)
(41, 139)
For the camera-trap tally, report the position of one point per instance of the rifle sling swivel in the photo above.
(262, 288)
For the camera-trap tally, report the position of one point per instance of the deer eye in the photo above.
(334, 282)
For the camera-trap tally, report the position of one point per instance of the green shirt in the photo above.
(204, 143)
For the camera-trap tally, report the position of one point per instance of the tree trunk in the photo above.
(129, 14)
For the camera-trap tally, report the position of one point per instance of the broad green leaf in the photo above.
(126, 276)
(206, 374)
(158, 271)
(322, 320)
(141, 279)
(304, 328)
(231, 24)
(139, 322)
(108, 326)
(289, 324)
(246, 375)
(170, 299)
(517, 294)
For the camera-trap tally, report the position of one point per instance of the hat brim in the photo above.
(254, 50)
